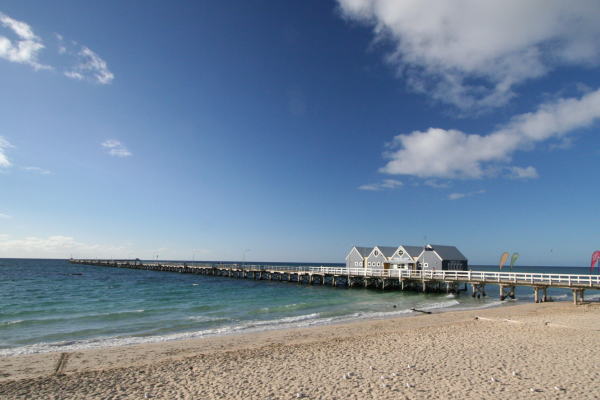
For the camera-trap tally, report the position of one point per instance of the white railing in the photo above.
(526, 278)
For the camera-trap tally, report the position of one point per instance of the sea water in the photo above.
(52, 305)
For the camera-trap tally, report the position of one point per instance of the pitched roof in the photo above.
(387, 251)
(364, 251)
(413, 251)
(448, 252)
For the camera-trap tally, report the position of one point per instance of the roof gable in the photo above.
(413, 251)
(377, 250)
(448, 252)
(364, 251)
(387, 251)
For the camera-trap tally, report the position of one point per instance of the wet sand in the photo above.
(545, 351)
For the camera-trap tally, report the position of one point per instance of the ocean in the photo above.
(51, 305)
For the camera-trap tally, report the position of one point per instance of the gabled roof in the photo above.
(448, 252)
(364, 251)
(387, 251)
(413, 251)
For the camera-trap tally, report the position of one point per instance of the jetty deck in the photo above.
(425, 281)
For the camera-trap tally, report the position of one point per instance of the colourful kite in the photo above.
(595, 259)
(513, 260)
(503, 259)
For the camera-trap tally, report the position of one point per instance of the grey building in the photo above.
(440, 257)
(430, 257)
(379, 256)
(357, 256)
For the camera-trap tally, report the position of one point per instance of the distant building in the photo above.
(430, 257)
(436, 257)
(357, 256)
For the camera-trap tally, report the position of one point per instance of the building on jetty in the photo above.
(429, 257)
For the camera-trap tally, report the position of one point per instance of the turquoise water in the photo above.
(51, 305)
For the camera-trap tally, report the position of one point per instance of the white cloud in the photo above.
(441, 153)
(4, 161)
(436, 184)
(37, 170)
(385, 184)
(5, 216)
(472, 53)
(523, 173)
(89, 67)
(23, 49)
(456, 196)
(116, 148)
(26, 47)
(53, 246)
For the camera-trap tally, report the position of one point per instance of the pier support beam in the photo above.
(545, 294)
(478, 290)
(536, 294)
(577, 296)
(507, 290)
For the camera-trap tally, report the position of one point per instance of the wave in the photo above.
(497, 303)
(283, 308)
(591, 296)
(76, 317)
(204, 318)
(16, 321)
(443, 304)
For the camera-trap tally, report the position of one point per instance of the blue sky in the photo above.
(290, 131)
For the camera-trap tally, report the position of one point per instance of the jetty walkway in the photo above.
(425, 281)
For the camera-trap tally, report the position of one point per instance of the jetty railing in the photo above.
(520, 278)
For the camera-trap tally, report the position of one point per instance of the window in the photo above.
(426, 265)
(378, 264)
(376, 253)
(369, 263)
(400, 252)
(356, 263)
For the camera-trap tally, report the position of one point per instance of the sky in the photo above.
(292, 130)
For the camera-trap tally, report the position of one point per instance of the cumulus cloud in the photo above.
(456, 196)
(383, 185)
(89, 67)
(441, 153)
(52, 246)
(25, 47)
(116, 148)
(472, 53)
(4, 145)
(5, 216)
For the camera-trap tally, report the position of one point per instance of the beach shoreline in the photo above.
(452, 344)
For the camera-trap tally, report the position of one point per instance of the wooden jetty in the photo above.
(424, 281)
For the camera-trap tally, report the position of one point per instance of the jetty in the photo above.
(450, 281)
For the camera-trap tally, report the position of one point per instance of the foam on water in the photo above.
(442, 304)
(17, 321)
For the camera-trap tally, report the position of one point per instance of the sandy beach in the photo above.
(544, 351)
